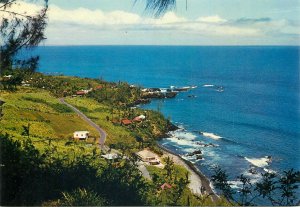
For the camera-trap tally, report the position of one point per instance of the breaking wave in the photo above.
(259, 162)
(211, 135)
(182, 134)
(208, 85)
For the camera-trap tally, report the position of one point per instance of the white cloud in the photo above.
(82, 16)
(212, 19)
(74, 25)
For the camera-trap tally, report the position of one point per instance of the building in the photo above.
(137, 119)
(166, 186)
(126, 122)
(80, 93)
(81, 135)
(148, 156)
(7, 77)
(110, 156)
(99, 87)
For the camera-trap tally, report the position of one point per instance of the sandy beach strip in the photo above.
(197, 179)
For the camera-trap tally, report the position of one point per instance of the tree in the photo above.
(169, 168)
(81, 197)
(19, 31)
(278, 189)
(159, 6)
(26, 130)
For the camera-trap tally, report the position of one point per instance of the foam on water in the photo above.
(235, 183)
(269, 170)
(186, 158)
(189, 145)
(208, 85)
(254, 178)
(211, 135)
(182, 134)
(258, 162)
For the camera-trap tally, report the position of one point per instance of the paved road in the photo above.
(102, 133)
(144, 170)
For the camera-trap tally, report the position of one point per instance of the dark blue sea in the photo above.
(246, 104)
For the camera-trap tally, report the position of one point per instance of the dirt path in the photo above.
(102, 133)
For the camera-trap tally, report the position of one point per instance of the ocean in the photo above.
(246, 105)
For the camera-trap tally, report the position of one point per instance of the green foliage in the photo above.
(220, 180)
(26, 130)
(58, 107)
(81, 197)
(29, 177)
(45, 114)
(179, 194)
(19, 166)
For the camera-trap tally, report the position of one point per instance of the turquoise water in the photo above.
(256, 115)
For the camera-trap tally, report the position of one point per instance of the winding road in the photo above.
(102, 133)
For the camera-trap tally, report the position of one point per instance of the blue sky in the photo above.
(205, 22)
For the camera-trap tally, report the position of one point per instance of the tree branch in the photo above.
(15, 13)
(7, 3)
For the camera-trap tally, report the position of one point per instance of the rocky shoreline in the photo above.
(199, 183)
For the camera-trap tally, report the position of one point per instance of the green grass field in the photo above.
(48, 118)
(98, 113)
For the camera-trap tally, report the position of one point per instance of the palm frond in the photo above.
(159, 7)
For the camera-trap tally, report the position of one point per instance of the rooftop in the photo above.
(83, 132)
(146, 153)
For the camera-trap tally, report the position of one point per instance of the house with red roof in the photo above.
(126, 122)
(137, 119)
(166, 186)
(99, 87)
(80, 93)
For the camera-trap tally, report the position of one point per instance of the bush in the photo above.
(81, 197)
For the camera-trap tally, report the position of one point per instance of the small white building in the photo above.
(7, 77)
(148, 157)
(81, 135)
(111, 156)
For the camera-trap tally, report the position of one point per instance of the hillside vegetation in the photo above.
(40, 157)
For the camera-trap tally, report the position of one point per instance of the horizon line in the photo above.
(163, 45)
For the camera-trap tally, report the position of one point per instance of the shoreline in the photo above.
(197, 178)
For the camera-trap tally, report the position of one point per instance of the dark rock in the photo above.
(172, 127)
(252, 170)
(199, 157)
(171, 94)
(197, 152)
(140, 101)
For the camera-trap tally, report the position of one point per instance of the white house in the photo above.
(81, 135)
(149, 157)
(110, 156)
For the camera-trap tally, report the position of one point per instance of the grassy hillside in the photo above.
(98, 113)
(52, 124)
(45, 114)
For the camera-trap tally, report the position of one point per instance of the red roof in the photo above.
(80, 92)
(166, 186)
(137, 119)
(99, 87)
(126, 121)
